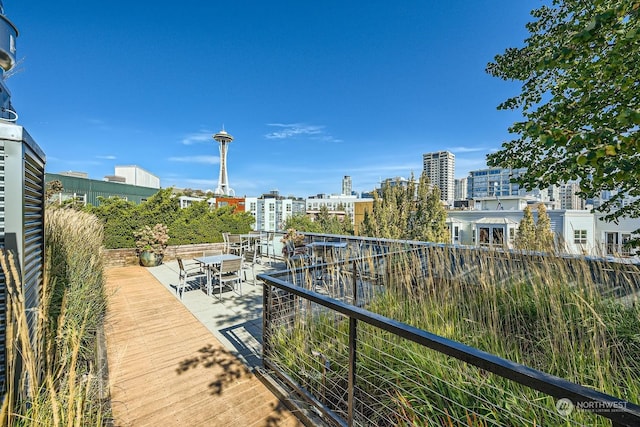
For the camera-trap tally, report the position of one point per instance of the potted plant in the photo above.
(293, 242)
(151, 243)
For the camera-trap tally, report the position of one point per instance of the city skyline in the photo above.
(309, 94)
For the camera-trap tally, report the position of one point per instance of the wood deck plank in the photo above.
(166, 368)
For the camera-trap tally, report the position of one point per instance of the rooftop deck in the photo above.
(186, 362)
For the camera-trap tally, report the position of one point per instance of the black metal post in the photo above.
(352, 369)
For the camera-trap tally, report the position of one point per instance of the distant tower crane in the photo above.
(223, 188)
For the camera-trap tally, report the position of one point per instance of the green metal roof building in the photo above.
(87, 191)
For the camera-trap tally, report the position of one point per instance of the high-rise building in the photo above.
(346, 185)
(440, 169)
(494, 182)
(569, 198)
(460, 190)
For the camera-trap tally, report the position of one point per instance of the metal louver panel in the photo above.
(33, 244)
(22, 188)
(3, 290)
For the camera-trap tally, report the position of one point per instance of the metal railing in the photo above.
(357, 367)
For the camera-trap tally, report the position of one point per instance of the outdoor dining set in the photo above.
(217, 271)
(226, 268)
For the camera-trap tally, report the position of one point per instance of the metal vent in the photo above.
(3, 288)
(33, 246)
(21, 224)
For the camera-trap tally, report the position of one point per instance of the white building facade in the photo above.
(577, 231)
(270, 213)
(333, 203)
(135, 175)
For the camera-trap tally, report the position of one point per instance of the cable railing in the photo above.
(344, 334)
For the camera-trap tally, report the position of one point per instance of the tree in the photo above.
(580, 75)
(428, 221)
(526, 235)
(301, 222)
(543, 234)
(411, 212)
(331, 224)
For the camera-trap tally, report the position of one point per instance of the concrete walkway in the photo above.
(168, 369)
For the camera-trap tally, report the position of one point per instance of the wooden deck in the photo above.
(167, 369)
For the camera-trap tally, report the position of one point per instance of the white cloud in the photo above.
(208, 160)
(197, 137)
(467, 149)
(108, 157)
(99, 124)
(292, 130)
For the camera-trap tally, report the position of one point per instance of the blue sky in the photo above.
(311, 91)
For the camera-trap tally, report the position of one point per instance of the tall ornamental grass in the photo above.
(55, 380)
(572, 318)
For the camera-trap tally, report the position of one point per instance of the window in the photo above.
(625, 249)
(484, 235)
(498, 236)
(456, 233)
(580, 237)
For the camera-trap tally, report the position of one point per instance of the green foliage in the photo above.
(541, 311)
(331, 224)
(411, 212)
(302, 222)
(120, 221)
(324, 222)
(194, 224)
(580, 73)
(163, 207)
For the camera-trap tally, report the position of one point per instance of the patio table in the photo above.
(211, 262)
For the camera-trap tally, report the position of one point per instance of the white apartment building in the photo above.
(440, 169)
(270, 213)
(333, 203)
(579, 232)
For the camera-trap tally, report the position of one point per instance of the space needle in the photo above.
(223, 188)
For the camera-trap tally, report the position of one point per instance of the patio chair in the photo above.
(212, 252)
(187, 272)
(296, 255)
(266, 244)
(236, 244)
(250, 259)
(229, 272)
(225, 239)
(255, 238)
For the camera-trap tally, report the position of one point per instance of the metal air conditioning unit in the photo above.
(22, 193)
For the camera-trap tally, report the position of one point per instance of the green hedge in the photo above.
(194, 224)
